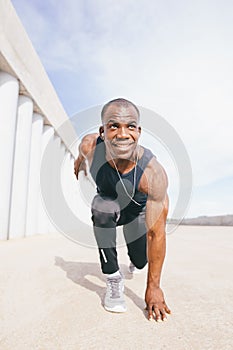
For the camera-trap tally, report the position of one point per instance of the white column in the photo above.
(65, 184)
(66, 174)
(69, 183)
(78, 194)
(21, 168)
(43, 223)
(9, 89)
(34, 175)
(73, 183)
(56, 156)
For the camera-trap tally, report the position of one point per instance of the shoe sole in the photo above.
(136, 272)
(116, 309)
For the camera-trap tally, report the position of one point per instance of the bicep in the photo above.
(157, 199)
(156, 214)
(154, 181)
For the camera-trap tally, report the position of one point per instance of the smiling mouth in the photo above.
(122, 145)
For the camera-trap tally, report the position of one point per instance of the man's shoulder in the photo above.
(154, 180)
(90, 137)
(154, 168)
(88, 143)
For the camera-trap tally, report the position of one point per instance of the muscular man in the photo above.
(131, 191)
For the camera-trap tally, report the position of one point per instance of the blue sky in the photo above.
(174, 57)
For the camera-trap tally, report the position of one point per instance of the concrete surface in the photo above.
(51, 293)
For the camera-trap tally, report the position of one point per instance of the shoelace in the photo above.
(114, 284)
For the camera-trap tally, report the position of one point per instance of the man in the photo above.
(131, 191)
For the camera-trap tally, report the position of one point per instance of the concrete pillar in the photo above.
(34, 175)
(78, 194)
(72, 182)
(56, 155)
(43, 223)
(9, 89)
(66, 185)
(66, 179)
(21, 168)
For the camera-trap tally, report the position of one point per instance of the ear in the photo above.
(101, 131)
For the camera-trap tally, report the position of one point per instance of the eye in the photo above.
(132, 126)
(113, 126)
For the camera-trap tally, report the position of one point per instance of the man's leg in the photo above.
(136, 240)
(105, 213)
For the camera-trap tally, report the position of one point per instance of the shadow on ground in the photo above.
(78, 272)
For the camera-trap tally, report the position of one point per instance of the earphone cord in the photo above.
(134, 181)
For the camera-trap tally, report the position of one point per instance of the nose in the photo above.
(123, 133)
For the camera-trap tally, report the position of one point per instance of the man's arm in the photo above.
(85, 152)
(155, 182)
(156, 213)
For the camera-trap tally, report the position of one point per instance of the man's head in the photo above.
(120, 128)
(120, 102)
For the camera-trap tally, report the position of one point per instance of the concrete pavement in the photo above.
(51, 293)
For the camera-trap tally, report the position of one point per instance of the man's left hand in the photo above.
(155, 304)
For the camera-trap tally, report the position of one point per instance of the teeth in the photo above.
(123, 146)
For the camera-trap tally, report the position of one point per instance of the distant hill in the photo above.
(221, 220)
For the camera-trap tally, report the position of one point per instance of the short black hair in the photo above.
(122, 102)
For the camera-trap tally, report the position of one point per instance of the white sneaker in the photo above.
(114, 299)
(133, 269)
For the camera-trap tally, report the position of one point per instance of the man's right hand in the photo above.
(80, 165)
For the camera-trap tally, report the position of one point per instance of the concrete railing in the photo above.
(31, 115)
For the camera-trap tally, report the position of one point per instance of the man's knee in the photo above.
(137, 251)
(140, 263)
(105, 212)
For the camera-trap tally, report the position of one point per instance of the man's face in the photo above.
(121, 130)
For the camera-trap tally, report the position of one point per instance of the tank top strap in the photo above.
(98, 158)
(142, 164)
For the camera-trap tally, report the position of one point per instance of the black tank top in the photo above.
(109, 184)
